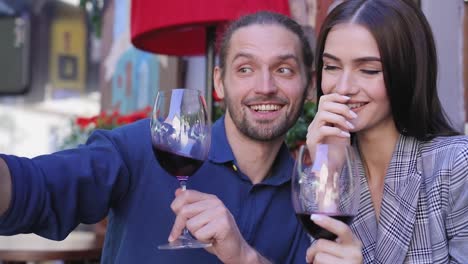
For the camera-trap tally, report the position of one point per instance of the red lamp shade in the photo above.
(178, 27)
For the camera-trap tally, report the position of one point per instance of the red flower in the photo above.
(84, 122)
(135, 116)
(110, 121)
(123, 120)
(83, 126)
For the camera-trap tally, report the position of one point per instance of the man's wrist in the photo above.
(251, 256)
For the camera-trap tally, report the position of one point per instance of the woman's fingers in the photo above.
(324, 132)
(334, 97)
(332, 119)
(345, 249)
(332, 123)
(342, 230)
(325, 246)
(339, 109)
(323, 258)
(325, 251)
(336, 103)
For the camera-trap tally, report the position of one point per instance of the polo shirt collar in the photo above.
(221, 152)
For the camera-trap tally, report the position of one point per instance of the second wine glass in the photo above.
(325, 181)
(181, 137)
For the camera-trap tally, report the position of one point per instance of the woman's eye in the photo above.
(329, 67)
(371, 72)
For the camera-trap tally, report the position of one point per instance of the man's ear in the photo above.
(218, 82)
(311, 94)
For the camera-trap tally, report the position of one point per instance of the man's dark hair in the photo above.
(409, 61)
(267, 18)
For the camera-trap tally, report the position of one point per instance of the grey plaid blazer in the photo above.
(424, 211)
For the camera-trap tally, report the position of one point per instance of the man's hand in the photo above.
(208, 220)
(345, 249)
(5, 187)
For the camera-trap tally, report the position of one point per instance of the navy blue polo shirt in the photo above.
(117, 174)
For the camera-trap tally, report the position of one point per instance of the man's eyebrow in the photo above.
(282, 57)
(242, 55)
(287, 57)
(358, 60)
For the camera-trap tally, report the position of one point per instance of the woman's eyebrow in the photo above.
(329, 56)
(357, 60)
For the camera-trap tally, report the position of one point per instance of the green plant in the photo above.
(297, 134)
(94, 9)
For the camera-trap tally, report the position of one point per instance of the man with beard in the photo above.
(239, 200)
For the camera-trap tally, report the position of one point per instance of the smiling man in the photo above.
(239, 200)
(264, 82)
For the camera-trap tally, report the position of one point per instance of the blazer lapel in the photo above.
(364, 225)
(399, 203)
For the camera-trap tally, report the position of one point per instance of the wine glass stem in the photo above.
(182, 182)
(183, 186)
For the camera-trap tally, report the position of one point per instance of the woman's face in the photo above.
(352, 67)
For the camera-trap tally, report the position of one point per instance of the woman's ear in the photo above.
(218, 82)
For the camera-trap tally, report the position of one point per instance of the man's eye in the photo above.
(245, 70)
(285, 70)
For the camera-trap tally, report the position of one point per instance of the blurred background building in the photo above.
(66, 58)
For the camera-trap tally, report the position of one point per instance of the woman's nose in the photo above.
(345, 84)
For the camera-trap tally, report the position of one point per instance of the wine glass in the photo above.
(181, 136)
(326, 183)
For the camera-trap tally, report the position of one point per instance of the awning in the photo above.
(178, 27)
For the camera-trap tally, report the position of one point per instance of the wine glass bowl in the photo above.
(327, 183)
(181, 137)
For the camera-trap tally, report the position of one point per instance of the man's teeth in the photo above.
(265, 107)
(352, 106)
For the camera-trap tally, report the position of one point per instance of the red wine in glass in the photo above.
(318, 232)
(325, 183)
(176, 164)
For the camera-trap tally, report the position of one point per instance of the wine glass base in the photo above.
(184, 243)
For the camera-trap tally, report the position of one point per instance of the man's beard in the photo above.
(263, 130)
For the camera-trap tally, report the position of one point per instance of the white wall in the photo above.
(30, 130)
(446, 20)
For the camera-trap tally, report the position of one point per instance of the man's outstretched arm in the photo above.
(5, 187)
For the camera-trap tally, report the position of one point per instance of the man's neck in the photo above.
(255, 158)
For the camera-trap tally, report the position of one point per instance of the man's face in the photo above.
(264, 81)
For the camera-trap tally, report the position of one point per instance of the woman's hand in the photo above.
(345, 249)
(331, 123)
